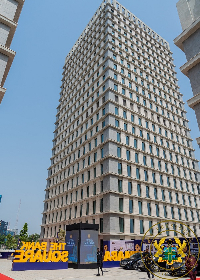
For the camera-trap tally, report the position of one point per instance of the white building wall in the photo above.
(4, 32)
(3, 63)
(8, 8)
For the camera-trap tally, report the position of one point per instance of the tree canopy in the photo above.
(13, 241)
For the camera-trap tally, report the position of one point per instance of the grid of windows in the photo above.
(136, 131)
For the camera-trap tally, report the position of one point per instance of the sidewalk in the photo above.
(75, 274)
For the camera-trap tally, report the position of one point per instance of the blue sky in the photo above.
(46, 32)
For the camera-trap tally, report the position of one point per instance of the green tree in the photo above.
(11, 242)
(33, 237)
(2, 239)
(23, 235)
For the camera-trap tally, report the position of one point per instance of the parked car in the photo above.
(178, 269)
(133, 263)
(134, 257)
(157, 266)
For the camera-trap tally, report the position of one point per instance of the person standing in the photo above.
(191, 264)
(99, 261)
(148, 263)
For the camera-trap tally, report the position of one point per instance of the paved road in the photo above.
(75, 274)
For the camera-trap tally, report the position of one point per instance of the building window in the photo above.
(165, 211)
(138, 173)
(120, 204)
(101, 205)
(161, 180)
(167, 228)
(197, 216)
(147, 191)
(129, 187)
(131, 225)
(130, 206)
(119, 185)
(163, 195)
(186, 217)
(125, 126)
(119, 152)
(157, 210)
(177, 200)
(94, 206)
(119, 168)
(94, 189)
(121, 224)
(139, 189)
(145, 175)
(141, 227)
(88, 175)
(174, 227)
(150, 227)
(172, 212)
(149, 208)
(183, 199)
(101, 189)
(101, 169)
(116, 123)
(101, 224)
(179, 214)
(102, 153)
(87, 208)
(135, 143)
(118, 137)
(189, 200)
(153, 177)
(140, 207)
(128, 155)
(129, 170)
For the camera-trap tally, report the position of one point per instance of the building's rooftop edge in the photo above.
(127, 14)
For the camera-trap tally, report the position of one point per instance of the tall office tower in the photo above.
(9, 15)
(189, 42)
(122, 154)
